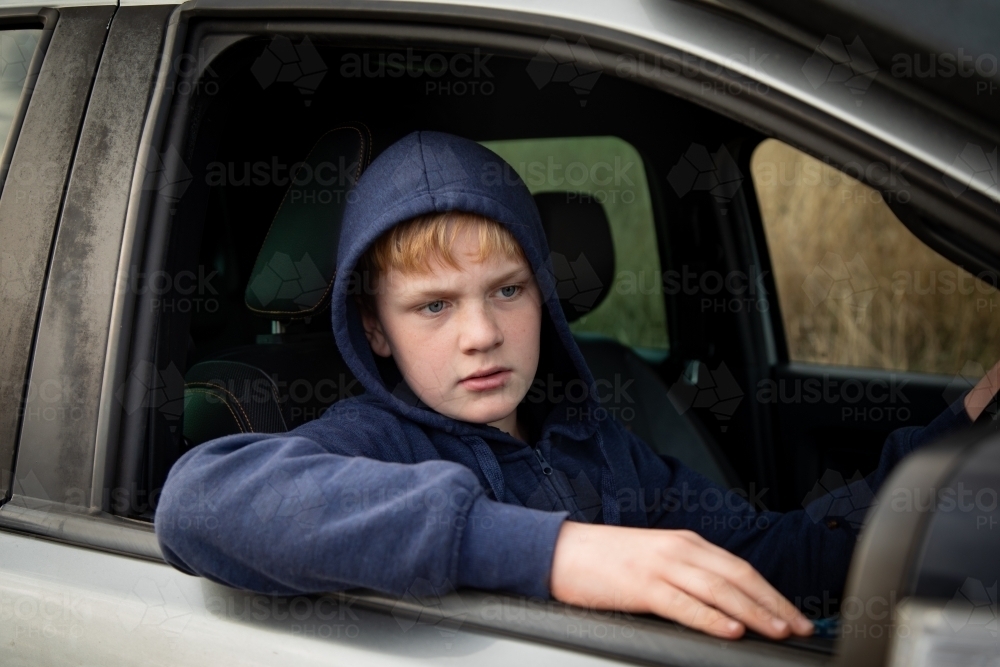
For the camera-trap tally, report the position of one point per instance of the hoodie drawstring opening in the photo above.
(609, 492)
(489, 465)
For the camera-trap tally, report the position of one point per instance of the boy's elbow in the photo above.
(169, 519)
(184, 518)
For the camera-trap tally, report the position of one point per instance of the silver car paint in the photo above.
(67, 605)
(63, 604)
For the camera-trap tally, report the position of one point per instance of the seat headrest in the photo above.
(583, 254)
(296, 265)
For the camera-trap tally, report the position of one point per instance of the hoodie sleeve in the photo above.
(297, 513)
(908, 439)
(804, 553)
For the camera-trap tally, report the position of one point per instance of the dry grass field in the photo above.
(855, 286)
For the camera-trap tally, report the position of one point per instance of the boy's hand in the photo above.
(676, 574)
(981, 395)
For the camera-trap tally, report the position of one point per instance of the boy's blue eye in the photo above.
(435, 307)
(508, 291)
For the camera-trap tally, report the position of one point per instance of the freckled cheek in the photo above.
(522, 332)
(431, 359)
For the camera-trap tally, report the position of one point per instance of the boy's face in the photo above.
(466, 339)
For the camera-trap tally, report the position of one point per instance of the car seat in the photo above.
(290, 376)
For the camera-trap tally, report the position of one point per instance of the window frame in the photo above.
(523, 33)
(31, 249)
(778, 323)
(13, 21)
(62, 464)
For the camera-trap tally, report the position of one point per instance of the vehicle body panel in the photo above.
(110, 601)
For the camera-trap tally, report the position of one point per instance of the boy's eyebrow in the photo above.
(511, 275)
(432, 292)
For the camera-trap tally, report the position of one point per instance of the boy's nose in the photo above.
(480, 331)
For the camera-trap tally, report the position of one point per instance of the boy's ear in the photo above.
(375, 334)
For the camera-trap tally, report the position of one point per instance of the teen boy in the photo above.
(445, 475)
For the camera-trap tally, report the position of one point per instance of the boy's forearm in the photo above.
(509, 548)
(279, 514)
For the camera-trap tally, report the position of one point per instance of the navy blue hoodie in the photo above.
(384, 493)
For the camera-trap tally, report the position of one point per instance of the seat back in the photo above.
(226, 397)
(290, 284)
(583, 254)
(296, 265)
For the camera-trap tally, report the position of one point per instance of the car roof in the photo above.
(766, 43)
(906, 39)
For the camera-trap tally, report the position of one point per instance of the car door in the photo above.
(79, 582)
(95, 590)
(42, 116)
(81, 579)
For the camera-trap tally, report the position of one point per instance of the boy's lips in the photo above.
(488, 378)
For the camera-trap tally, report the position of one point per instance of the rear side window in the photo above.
(609, 170)
(17, 46)
(855, 286)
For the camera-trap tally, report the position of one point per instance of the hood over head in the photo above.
(433, 172)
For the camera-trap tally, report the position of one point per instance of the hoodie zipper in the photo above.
(558, 485)
(546, 468)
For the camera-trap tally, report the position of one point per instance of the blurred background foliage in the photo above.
(855, 286)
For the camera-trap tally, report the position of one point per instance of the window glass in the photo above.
(856, 287)
(611, 171)
(16, 49)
